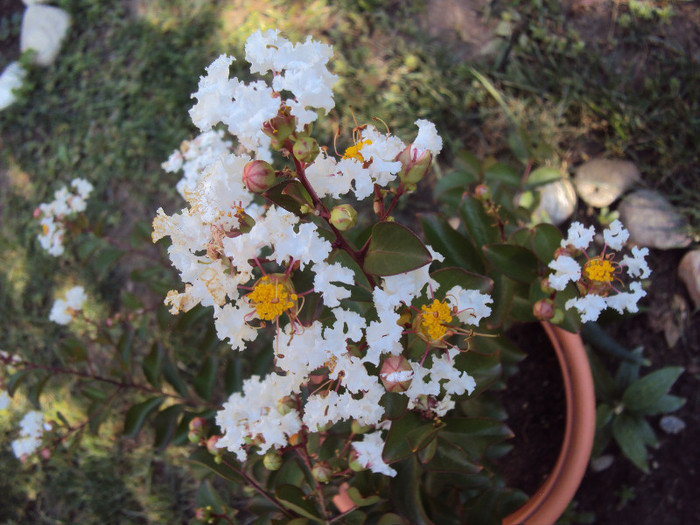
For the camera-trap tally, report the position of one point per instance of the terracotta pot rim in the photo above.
(552, 498)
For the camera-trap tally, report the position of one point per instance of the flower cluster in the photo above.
(246, 259)
(63, 310)
(600, 278)
(31, 431)
(54, 216)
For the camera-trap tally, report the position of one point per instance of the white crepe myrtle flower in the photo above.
(369, 454)
(5, 400)
(427, 138)
(601, 279)
(31, 430)
(64, 310)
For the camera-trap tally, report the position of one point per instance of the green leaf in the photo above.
(294, 499)
(73, 350)
(137, 414)
(207, 496)
(205, 380)
(484, 368)
(233, 376)
(360, 500)
(106, 259)
(394, 404)
(125, 347)
(37, 388)
(289, 195)
(602, 380)
(480, 226)
(628, 432)
(545, 241)
(16, 380)
(390, 519)
(394, 249)
(455, 247)
(501, 173)
(449, 277)
(540, 176)
(202, 457)
(291, 473)
(165, 424)
(449, 457)
(172, 376)
(516, 262)
(475, 435)
(405, 491)
(153, 364)
(603, 415)
(665, 405)
(407, 436)
(644, 393)
(503, 291)
(596, 336)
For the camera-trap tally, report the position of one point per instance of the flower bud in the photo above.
(558, 316)
(354, 463)
(286, 405)
(482, 192)
(258, 176)
(358, 428)
(295, 439)
(413, 168)
(343, 217)
(396, 373)
(280, 127)
(543, 309)
(322, 472)
(272, 460)
(546, 287)
(305, 149)
(211, 446)
(203, 513)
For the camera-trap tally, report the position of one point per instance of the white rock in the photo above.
(11, 78)
(32, 2)
(557, 202)
(600, 182)
(672, 424)
(689, 272)
(653, 221)
(601, 463)
(43, 29)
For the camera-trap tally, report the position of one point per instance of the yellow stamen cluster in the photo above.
(434, 318)
(353, 152)
(599, 270)
(270, 299)
(331, 363)
(45, 229)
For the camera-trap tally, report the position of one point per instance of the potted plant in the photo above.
(352, 385)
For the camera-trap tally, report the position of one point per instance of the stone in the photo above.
(601, 463)
(653, 221)
(672, 424)
(689, 273)
(11, 78)
(557, 202)
(600, 182)
(43, 29)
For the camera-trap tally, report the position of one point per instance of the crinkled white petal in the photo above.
(579, 236)
(566, 269)
(369, 453)
(472, 305)
(589, 306)
(427, 138)
(615, 235)
(636, 265)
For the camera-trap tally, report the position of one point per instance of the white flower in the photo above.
(83, 187)
(626, 300)
(427, 138)
(326, 274)
(472, 306)
(579, 236)
(10, 79)
(4, 400)
(369, 453)
(616, 235)
(636, 265)
(31, 429)
(588, 306)
(567, 269)
(63, 310)
(214, 94)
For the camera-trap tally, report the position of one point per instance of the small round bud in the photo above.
(543, 309)
(414, 167)
(546, 287)
(358, 428)
(305, 149)
(354, 463)
(482, 192)
(396, 373)
(272, 460)
(203, 513)
(211, 446)
(322, 472)
(343, 217)
(558, 316)
(295, 440)
(198, 423)
(286, 405)
(193, 436)
(280, 127)
(258, 176)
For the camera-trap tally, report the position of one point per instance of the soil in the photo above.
(10, 17)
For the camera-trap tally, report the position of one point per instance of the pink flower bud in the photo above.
(258, 176)
(211, 446)
(396, 373)
(543, 309)
(305, 149)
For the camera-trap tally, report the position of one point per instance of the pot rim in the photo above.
(552, 498)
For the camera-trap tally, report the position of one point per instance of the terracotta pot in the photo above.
(552, 498)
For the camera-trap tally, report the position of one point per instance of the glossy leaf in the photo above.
(516, 262)
(501, 173)
(546, 239)
(449, 457)
(294, 499)
(644, 393)
(172, 376)
(394, 249)
(394, 404)
(449, 277)
(202, 457)
(153, 364)
(455, 247)
(503, 290)
(406, 436)
(405, 491)
(475, 435)
(484, 368)
(165, 424)
(666, 404)
(480, 226)
(543, 175)
(207, 496)
(628, 433)
(137, 414)
(288, 194)
(16, 380)
(205, 380)
(106, 259)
